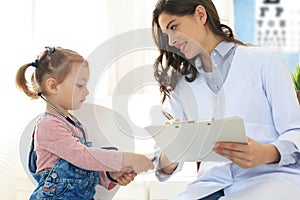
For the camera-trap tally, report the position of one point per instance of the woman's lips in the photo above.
(182, 47)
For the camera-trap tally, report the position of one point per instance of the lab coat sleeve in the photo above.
(288, 151)
(282, 98)
(171, 105)
(161, 176)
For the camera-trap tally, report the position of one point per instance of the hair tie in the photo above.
(50, 49)
(35, 63)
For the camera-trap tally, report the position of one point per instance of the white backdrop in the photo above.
(29, 25)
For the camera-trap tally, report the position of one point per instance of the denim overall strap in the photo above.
(64, 180)
(32, 154)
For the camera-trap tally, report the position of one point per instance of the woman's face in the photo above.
(186, 33)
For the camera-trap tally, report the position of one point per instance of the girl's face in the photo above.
(186, 33)
(73, 90)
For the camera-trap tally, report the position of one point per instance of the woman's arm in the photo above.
(280, 94)
(166, 166)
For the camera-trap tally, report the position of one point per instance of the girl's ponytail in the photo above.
(23, 84)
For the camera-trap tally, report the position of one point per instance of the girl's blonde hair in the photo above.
(52, 63)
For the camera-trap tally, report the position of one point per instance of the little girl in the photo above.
(62, 160)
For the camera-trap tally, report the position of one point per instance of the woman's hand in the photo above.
(123, 178)
(166, 165)
(248, 155)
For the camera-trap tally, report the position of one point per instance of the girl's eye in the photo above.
(79, 85)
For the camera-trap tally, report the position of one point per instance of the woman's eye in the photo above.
(173, 27)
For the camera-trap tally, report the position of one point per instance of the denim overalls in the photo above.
(64, 181)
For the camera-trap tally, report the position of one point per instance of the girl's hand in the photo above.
(248, 155)
(137, 162)
(126, 178)
(123, 178)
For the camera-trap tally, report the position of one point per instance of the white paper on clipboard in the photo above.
(189, 141)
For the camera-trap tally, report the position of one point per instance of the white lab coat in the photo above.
(259, 89)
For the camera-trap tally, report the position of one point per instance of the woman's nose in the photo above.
(172, 40)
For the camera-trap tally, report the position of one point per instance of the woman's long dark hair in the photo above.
(175, 63)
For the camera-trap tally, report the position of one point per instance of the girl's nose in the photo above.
(86, 92)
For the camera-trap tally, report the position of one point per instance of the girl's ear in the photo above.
(51, 86)
(200, 13)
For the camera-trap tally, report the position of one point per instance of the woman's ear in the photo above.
(51, 86)
(200, 14)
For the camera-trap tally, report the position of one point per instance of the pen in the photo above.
(153, 159)
(167, 115)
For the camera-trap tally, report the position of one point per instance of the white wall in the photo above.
(29, 25)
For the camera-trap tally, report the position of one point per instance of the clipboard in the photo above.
(189, 141)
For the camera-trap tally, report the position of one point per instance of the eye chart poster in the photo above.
(278, 24)
(270, 23)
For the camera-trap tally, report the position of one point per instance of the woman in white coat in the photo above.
(205, 72)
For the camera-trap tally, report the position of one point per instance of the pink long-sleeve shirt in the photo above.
(53, 140)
